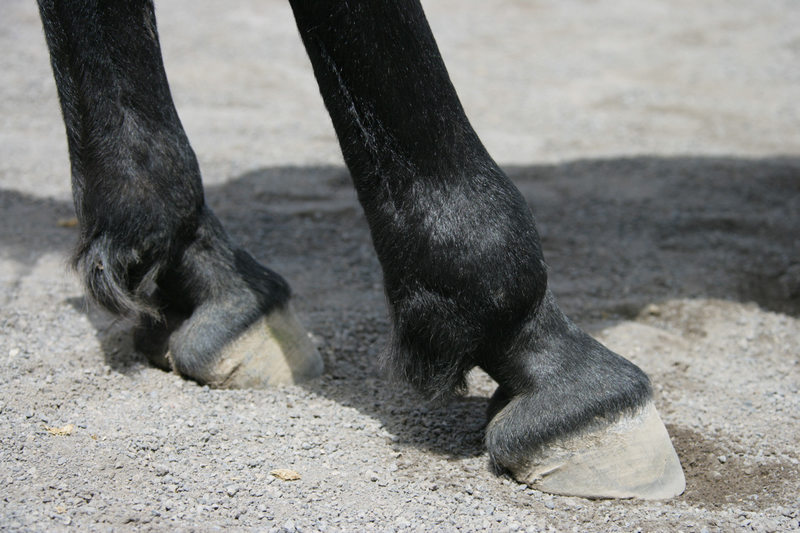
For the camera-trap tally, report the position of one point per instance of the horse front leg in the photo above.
(463, 268)
(149, 246)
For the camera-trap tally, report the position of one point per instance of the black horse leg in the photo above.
(463, 269)
(149, 247)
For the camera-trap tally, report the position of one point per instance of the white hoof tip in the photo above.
(275, 350)
(630, 458)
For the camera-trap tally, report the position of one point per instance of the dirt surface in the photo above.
(659, 146)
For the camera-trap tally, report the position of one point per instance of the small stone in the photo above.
(60, 431)
(769, 526)
(67, 222)
(722, 459)
(652, 310)
(285, 474)
(231, 490)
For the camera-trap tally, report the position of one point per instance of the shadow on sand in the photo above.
(618, 234)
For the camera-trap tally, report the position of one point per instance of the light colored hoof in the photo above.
(631, 458)
(275, 350)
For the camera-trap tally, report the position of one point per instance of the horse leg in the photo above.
(149, 246)
(464, 273)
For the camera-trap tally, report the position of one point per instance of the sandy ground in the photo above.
(659, 146)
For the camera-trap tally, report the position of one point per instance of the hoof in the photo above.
(631, 458)
(275, 350)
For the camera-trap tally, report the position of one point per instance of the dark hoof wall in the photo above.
(631, 458)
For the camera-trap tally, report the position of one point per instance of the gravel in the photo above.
(659, 146)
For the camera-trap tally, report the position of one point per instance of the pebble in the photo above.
(653, 310)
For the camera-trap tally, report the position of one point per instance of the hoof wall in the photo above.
(275, 350)
(630, 458)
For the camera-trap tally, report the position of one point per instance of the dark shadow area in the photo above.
(634, 231)
(618, 235)
(716, 484)
(115, 336)
(648, 229)
(31, 226)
